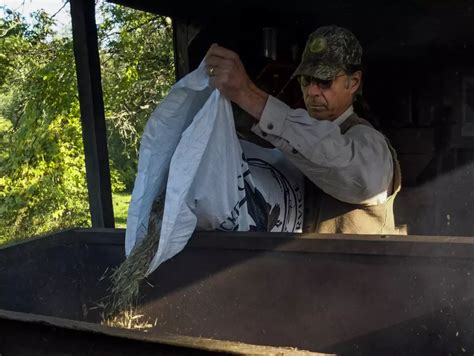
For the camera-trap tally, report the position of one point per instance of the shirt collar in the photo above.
(344, 115)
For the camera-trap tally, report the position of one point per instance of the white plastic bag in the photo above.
(190, 148)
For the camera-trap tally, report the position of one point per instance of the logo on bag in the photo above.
(265, 216)
(286, 215)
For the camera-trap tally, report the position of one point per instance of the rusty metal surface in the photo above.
(366, 294)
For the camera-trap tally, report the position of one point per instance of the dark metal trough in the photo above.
(323, 293)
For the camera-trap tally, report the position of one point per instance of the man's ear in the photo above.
(355, 81)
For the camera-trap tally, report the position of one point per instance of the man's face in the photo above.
(328, 99)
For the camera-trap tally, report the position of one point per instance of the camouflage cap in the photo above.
(328, 50)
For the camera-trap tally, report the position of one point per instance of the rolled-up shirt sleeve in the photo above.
(356, 167)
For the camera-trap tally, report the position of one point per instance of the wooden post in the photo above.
(86, 54)
(180, 40)
(184, 32)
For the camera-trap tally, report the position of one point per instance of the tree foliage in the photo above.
(138, 66)
(42, 171)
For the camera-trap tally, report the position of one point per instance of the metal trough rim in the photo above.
(204, 344)
(381, 245)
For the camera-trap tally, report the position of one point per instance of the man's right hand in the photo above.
(227, 73)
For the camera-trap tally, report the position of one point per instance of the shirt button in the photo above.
(264, 134)
(294, 150)
(270, 126)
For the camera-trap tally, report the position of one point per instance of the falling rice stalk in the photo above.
(120, 305)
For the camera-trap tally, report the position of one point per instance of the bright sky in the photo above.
(63, 18)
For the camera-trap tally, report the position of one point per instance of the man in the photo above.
(353, 167)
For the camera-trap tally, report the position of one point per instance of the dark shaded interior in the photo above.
(418, 86)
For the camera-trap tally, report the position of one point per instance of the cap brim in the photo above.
(320, 71)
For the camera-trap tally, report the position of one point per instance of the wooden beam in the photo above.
(184, 32)
(92, 112)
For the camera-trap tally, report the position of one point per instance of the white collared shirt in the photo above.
(355, 167)
(338, 121)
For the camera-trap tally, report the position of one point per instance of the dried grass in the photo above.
(130, 319)
(120, 305)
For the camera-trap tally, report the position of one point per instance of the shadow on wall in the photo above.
(441, 206)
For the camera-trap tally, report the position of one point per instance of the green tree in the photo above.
(42, 186)
(138, 71)
(42, 173)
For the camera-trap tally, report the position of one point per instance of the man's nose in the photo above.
(313, 89)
